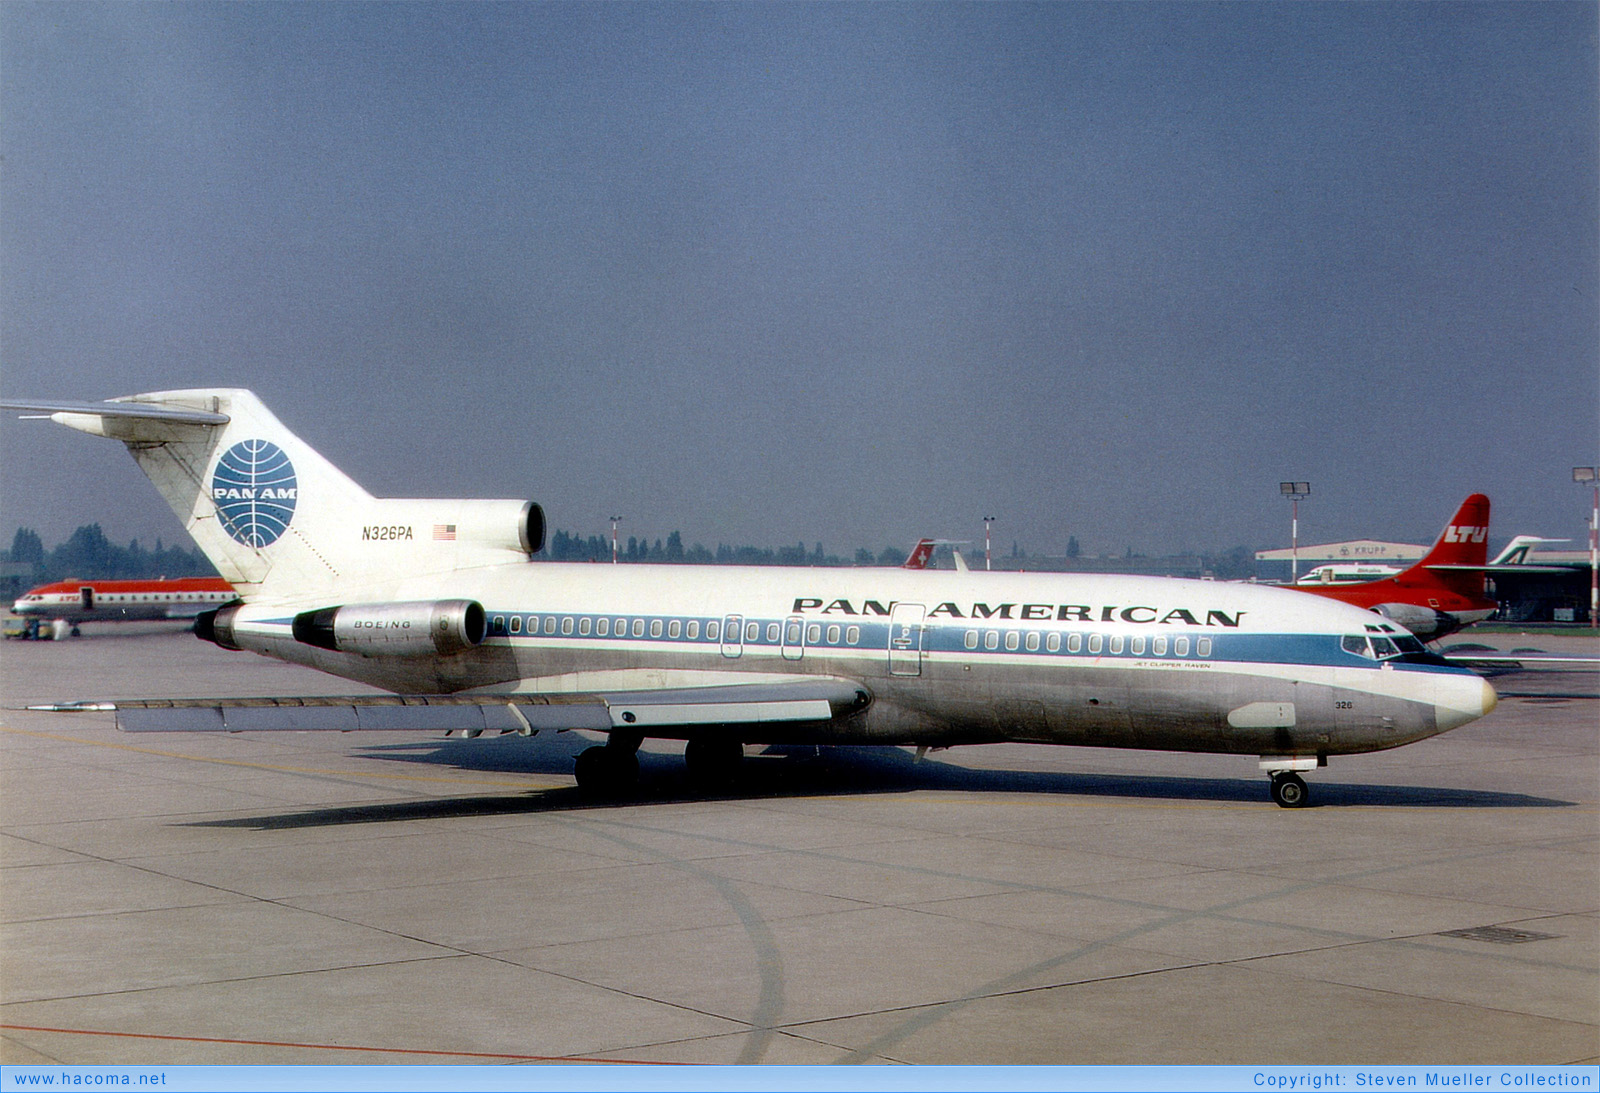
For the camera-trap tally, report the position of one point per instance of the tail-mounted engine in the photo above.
(419, 629)
(217, 626)
(1424, 622)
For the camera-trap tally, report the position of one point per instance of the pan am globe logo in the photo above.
(255, 492)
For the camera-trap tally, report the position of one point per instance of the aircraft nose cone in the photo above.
(1461, 699)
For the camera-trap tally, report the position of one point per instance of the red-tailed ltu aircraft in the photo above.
(1441, 593)
(76, 602)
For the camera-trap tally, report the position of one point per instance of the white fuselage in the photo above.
(944, 657)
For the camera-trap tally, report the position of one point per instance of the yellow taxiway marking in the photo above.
(274, 766)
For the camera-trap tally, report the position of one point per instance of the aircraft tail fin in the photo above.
(1460, 554)
(273, 515)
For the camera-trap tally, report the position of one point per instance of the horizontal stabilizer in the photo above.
(138, 410)
(1491, 568)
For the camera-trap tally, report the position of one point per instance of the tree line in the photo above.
(566, 547)
(89, 555)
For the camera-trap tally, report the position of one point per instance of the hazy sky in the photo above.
(772, 273)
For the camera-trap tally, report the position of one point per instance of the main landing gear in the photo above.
(610, 769)
(713, 761)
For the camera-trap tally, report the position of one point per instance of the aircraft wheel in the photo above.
(606, 772)
(1289, 790)
(713, 761)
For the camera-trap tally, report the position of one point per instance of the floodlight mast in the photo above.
(1294, 491)
(1591, 476)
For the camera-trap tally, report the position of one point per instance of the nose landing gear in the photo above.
(1289, 790)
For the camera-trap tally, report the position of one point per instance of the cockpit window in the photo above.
(1409, 644)
(1357, 644)
(1383, 647)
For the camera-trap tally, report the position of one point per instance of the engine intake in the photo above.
(1424, 622)
(409, 629)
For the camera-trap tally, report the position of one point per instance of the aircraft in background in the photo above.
(74, 602)
(440, 603)
(1438, 595)
(1514, 558)
(1347, 573)
(922, 554)
(1445, 591)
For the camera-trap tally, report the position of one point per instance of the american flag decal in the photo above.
(444, 533)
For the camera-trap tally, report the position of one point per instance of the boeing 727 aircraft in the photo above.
(441, 603)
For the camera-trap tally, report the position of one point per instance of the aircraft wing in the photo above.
(654, 713)
(1484, 658)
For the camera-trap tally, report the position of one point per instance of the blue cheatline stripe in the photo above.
(1312, 650)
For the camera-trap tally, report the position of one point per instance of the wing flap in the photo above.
(673, 710)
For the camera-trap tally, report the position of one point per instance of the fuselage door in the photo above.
(732, 636)
(86, 597)
(794, 644)
(905, 639)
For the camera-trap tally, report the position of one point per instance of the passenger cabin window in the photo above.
(1158, 645)
(674, 628)
(1180, 647)
(752, 631)
(991, 639)
(566, 625)
(585, 624)
(694, 630)
(655, 628)
(713, 629)
(971, 639)
(602, 627)
(1074, 642)
(1136, 645)
(772, 632)
(516, 624)
(833, 635)
(638, 628)
(1116, 643)
(1053, 643)
(1203, 647)
(1033, 641)
(549, 624)
(814, 633)
(1095, 643)
(852, 635)
(1011, 640)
